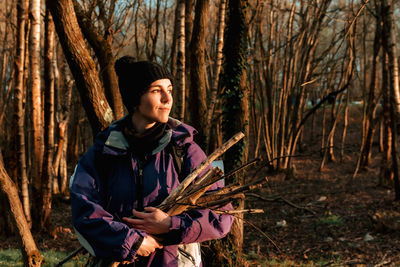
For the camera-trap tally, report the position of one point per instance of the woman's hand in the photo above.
(148, 246)
(153, 221)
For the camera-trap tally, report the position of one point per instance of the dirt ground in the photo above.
(317, 218)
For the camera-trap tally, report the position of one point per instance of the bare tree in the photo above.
(30, 253)
(235, 119)
(19, 110)
(47, 174)
(38, 144)
(81, 64)
(369, 120)
(180, 62)
(102, 45)
(391, 96)
(198, 96)
(217, 70)
(389, 44)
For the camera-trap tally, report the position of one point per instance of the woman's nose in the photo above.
(166, 96)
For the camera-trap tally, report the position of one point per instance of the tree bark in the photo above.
(345, 125)
(389, 43)
(173, 52)
(102, 47)
(198, 95)
(217, 70)
(189, 4)
(19, 110)
(81, 64)
(47, 174)
(372, 103)
(38, 144)
(180, 63)
(386, 172)
(235, 118)
(30, 253)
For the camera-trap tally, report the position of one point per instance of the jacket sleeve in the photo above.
(198, 225)
(96, 229)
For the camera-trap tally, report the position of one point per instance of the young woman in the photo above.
(130, 170)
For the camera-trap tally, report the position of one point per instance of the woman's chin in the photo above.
(164, 120)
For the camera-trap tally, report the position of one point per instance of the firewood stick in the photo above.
(228, 175)
(220, 200)
(228, 191)
(205, 182)
(192, 187)
(251, 211)
(177, 191)
(191, 199)
(186, 197)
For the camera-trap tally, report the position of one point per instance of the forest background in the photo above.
(294, 76)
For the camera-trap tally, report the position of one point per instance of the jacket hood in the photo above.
(112, 141)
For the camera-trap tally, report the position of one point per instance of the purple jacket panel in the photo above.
(106, 236)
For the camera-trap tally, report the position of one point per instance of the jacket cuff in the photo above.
(134, 249)
(175, 223)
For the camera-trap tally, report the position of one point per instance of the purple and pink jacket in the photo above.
(97, 208)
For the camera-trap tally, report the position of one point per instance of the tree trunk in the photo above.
(198, 95)
(235, 118)
(154, 38)
(395, 158)
(389, 43)
(189, 4)
(345, 124)
(38, 144)
(385, 176)
(47, 176)
(104, 53)
(372, 103)
(180, 63)
(73, 148)
(59, 162)
(173, 52)
(81, 64)
(217, 70)
(19, 110)
(31, 255)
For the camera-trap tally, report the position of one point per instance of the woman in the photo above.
(130, 170)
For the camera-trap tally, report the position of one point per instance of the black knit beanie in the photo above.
(135, 77)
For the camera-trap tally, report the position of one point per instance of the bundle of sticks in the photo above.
(194, 195)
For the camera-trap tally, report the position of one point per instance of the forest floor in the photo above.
(318, 218)
(328, 218)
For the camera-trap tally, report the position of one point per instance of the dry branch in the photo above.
(178, 191)
(193, 197)
(251, 211)
(282, 199)
(230, 191)
(30, 253)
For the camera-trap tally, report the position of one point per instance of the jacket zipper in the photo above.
(187, 255)
(140, 206)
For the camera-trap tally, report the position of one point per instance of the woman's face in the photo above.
(155, 105)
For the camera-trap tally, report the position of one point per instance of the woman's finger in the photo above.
(139, 214)
(150, 209)
(133, 221)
